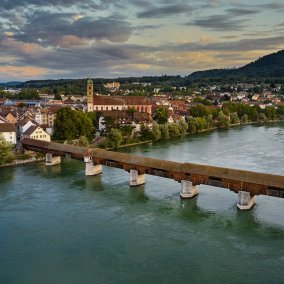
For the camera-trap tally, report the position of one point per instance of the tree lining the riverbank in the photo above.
(201, 118)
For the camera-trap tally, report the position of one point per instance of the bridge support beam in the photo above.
(51, 161)
(188, 190)
(245, 201)
(91, 169)
(136, 179)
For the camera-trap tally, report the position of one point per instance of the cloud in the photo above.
(241, 12)
(272, 6)
(111, 59)
(25, 71)
(276, 6)
(165, 11)
(51, 28)
(226, 21)
(218, 23)
(265, 44)
(9, 5)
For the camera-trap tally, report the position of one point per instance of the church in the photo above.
(109, 103)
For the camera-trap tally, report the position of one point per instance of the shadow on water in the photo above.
(66, 169)
(89, 183)
(137, 195)
(189, 211)
(6, 175)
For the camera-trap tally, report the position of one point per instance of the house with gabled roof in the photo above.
(10, 115)
(8, 131)
(36, 132)
(135, 119)
(3, 120)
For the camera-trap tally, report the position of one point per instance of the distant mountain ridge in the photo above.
(11, 84)
(269, 66)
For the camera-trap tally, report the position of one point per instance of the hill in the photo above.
(11, 84)
(268, 68)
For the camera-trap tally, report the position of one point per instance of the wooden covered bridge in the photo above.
(247, 184)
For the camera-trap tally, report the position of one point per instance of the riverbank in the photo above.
(17, 163)
(200, 131)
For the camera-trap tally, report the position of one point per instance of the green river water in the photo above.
(58, 226)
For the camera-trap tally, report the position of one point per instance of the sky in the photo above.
(45, 39)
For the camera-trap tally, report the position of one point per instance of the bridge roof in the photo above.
(188, 169)
(65, 148)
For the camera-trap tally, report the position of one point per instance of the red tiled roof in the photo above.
(119, 100)
(7, 127)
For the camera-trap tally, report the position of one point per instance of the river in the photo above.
(58, 226)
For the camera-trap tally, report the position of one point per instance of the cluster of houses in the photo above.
(18, 123)
(37, 120)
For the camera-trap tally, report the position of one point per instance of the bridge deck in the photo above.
(234, 179)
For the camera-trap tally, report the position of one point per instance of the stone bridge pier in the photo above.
(245, 202)
(51, 161)
(91, 169)
(188, 190)
(135, 179)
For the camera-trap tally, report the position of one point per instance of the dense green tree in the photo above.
(209, 121)
(6, 151)
(205, 102)
(199, 111)
(71, 124)
(161, 115)
(244, 118)
(156, 132)
(270, 112)
(200, 123)
(115, 137)
(262, 117)
(146, 132)
(109, 123)
(223, 121)
(164, 131)
(173, 130)
(182, 126)
(126, 130)
(83, 141)
(94, 119)
(57, 97)
(280, 110)
(192, 125)
(234, 119)
(28, 94)
(254, 113)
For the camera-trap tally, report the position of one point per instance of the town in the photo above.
(130, 113)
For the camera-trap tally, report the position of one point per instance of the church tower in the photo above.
(90, 95)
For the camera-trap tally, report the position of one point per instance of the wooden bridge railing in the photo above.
(233, 179)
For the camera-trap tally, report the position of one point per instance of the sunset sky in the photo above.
(42, 39)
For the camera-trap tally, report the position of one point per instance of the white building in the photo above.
(36, 132)
(8, 131)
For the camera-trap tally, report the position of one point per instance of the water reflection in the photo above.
(6, 175)
(190, 211)
(137, 195)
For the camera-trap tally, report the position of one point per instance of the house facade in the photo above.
(36, 132)
(46, 116)
(136, 120)
(8, 131)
